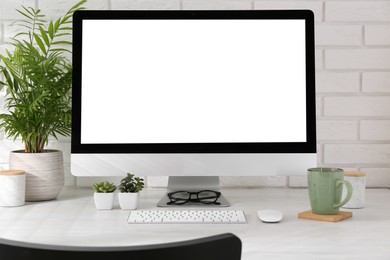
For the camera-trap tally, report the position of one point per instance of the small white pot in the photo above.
(128, 200)
(104, 200)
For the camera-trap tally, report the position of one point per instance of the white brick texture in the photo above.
(377, 34)
(357, 106)
(337, 130)
(338, 35)
(56, 8)
(377, 177)
(357, 154)
(357, 59)
(337, 82)
(357, 11)
(7, 8)
(145, 4)
(217, 5)
(378, 130)
(376, 82)
(315, 6)
(352, 80)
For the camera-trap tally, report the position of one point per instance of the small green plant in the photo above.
(104, 187)
(131, 184)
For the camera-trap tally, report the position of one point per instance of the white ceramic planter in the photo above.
(128, 200)
(12, 188)
(44, 173)
(104, 200)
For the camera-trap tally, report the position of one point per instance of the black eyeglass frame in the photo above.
(180, 201)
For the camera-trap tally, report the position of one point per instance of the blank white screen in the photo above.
(193, 81)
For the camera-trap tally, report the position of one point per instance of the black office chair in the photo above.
(224, 246)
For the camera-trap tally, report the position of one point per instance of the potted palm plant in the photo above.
(129, 189)
(37, 77)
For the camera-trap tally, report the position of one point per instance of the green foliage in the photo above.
(104, 187)
(38, 79)
(131, 184)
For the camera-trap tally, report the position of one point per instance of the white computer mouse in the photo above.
(270, 215)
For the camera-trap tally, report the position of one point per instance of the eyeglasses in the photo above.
(203, 196)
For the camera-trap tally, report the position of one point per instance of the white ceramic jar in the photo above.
(358, 182)
(13, 188)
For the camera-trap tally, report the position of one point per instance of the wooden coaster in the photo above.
(329, 218)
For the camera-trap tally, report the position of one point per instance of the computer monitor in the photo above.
(193, 94)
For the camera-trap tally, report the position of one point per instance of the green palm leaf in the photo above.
(37, 76)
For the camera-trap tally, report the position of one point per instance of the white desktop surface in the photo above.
(72, 219)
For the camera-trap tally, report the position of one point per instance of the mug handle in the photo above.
(349, 192)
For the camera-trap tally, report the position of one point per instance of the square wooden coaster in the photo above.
(329, 218)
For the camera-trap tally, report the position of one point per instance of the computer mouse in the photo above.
(270, 215)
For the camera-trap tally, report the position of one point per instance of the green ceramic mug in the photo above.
(325, 187)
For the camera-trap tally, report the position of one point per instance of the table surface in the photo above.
(72, 219)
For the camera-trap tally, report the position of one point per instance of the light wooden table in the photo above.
(73, 220)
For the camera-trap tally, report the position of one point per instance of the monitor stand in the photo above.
(193, 183)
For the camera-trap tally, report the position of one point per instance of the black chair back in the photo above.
(224, 247)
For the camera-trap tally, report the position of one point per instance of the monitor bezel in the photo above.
(275, 147)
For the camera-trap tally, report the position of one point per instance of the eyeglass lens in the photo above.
(208, 196)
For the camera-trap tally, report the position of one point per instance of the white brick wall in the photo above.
(377, 34)
(357, 106)
(357, 11)
(375, 130)
(376, 82)
(337, 82)
(341, 35)
(364, 59)
(353, 79)
(7, 8)
(315, 6)
(217, 5)
(146, 4)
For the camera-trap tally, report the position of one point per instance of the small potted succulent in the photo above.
(104, 195)
(129, 189)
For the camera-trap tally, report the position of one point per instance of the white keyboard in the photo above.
(186, 216)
